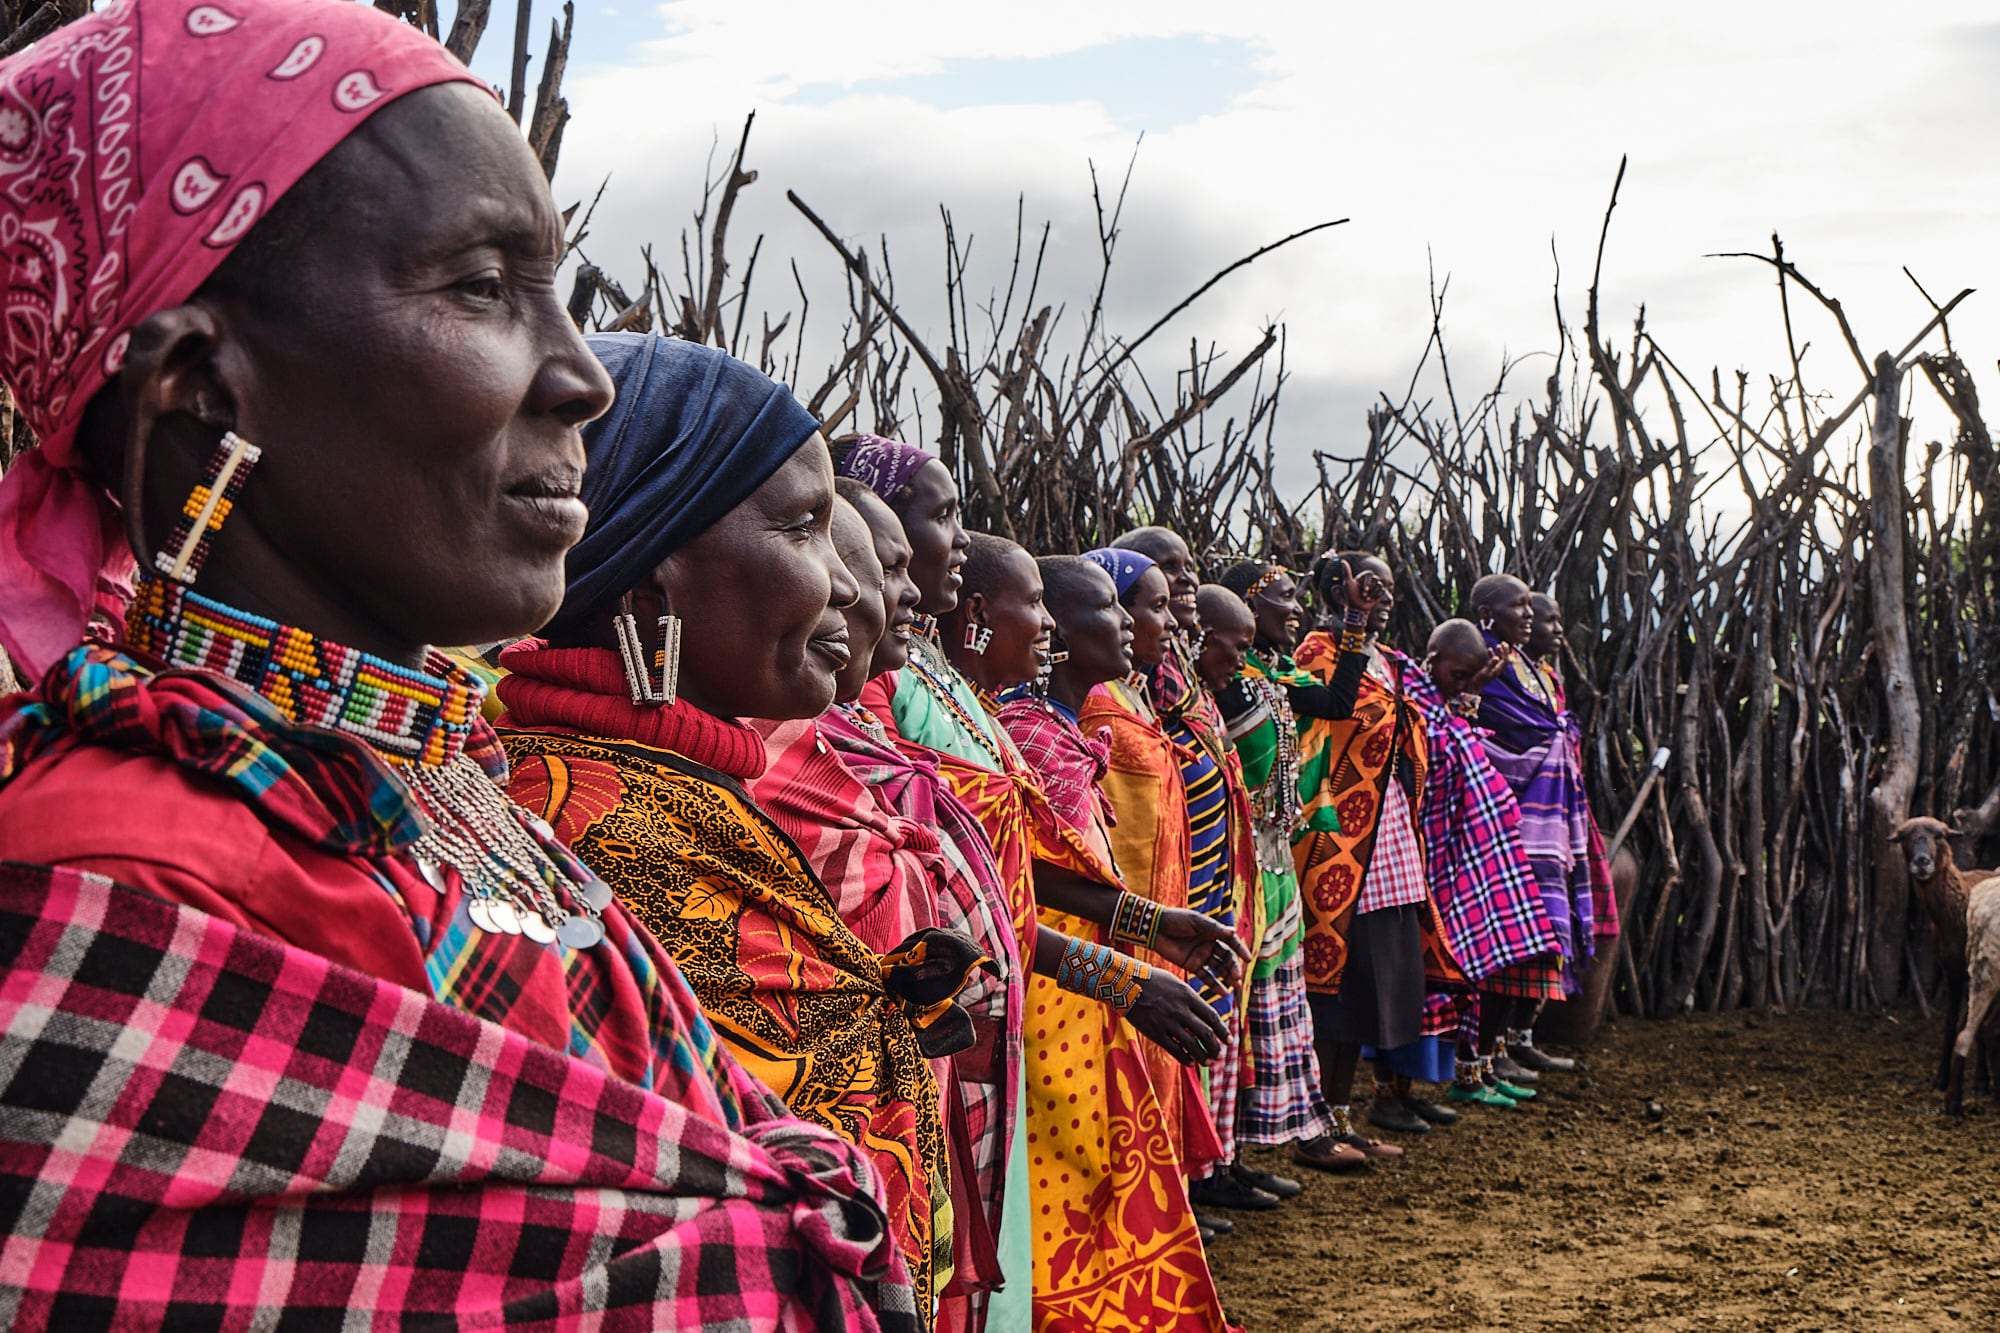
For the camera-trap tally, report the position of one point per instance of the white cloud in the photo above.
(1474, 134)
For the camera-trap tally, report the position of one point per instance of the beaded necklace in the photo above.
(516, 881)
(865, 720)
(932, 678)
(1278, 802)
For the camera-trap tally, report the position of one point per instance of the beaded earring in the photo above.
(977, 637)
(640, 678)
(207, 506)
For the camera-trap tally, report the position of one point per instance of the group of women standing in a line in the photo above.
(841, 920)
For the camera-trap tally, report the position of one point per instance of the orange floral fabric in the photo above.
(1342, 771)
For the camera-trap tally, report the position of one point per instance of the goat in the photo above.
(1983, 931)
(1943, 891)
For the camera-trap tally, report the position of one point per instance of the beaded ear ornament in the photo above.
(659, 684)
(977, 637)
(207, 507)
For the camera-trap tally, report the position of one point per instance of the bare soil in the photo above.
(1793, 1172)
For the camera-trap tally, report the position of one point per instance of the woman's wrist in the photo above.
(1100, 973)
(1135, 920)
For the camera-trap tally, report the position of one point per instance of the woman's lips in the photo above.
(834, 648)
(558, 512)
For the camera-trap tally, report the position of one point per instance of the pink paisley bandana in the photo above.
(137, 147)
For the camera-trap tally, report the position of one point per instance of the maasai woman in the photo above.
(1480, 875)
(1529, 745)
(969, 897)
(1152, 839)
(711, 495)
(1282, 1102)
(1222, 854)
(297, 236)
(937, 720)
(1546, 640)
(884, 869)
(1116, 1246)
(1373, 940)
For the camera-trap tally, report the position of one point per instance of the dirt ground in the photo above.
(1794, 1173)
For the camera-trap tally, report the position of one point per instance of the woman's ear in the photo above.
(973, 608)
(176, 397)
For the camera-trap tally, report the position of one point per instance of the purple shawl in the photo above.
(1528, 745)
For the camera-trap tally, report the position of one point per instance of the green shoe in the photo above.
(1480, 1094)
(1512, 1091)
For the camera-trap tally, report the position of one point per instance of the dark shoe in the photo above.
(1431, 1111)
(1278, 1187)
(1207, 1235)
(1505, 1067)
(1224, 1190)
(1215, 1226)
(1539, 1061)
(1328, 1154)
(1389, 1113)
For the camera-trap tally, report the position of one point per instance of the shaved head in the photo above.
(1459, 638)
(1221, 609)
(1495, 589)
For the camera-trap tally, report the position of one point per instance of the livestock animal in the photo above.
(1983, 945)
(1943, 890)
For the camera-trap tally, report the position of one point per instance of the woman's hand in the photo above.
(1364, 592)
(1196, 944)
(1170, 1013)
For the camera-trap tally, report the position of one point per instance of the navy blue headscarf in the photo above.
(693, 432)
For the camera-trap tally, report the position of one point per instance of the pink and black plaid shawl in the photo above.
(201, 1127)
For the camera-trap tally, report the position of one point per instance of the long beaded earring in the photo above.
(208, 505)
(977, 637)
(640, 679)
(668, 659)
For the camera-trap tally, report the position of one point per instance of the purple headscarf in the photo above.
(883, 465)
(1123, 566)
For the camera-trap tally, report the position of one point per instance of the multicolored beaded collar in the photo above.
(412, 717)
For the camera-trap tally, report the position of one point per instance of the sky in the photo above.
(1476, 141)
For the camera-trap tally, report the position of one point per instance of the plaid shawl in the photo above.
(200, 1126)
(1530, 746)
(1603, 895)
(1480, 876)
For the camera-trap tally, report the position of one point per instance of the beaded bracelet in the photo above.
(1353, 641)
(1100, 973)
(1464, 705)
(1136, 920)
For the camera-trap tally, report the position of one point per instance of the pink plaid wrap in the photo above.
(202, 1127)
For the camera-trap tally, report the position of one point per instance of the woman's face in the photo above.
(899, 590)
(1545, 634)
(416, 387)
(867, 615)
(1021, 626)
(928, 507)
(1514, 615)
(1176, 564)
(1152, 617)
(1096, 632)
(1378, 620)
(761, 595)
(1278, 613)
